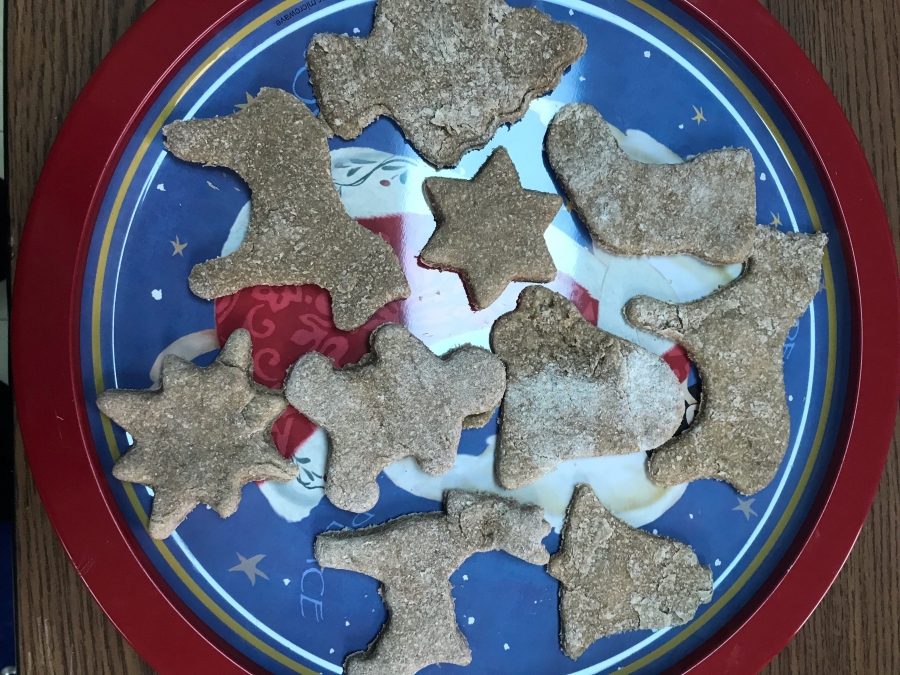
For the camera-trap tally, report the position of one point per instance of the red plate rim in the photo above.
(45, 344)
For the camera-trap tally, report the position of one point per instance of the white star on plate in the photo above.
(248, 567)
(745, 507)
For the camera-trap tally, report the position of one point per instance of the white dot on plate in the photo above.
(581, 78)
(156, 293)
(465, 577)
(331, 651)
(505, 647)
(355, 30)
(790, 398)
(287, 581)
(571, 12)
(681, 126)
(762, 176)
(718, 562)
(161, 187)
(691, 516)
(647, 54)
(655, 531)
(471, 620)
(346, 623)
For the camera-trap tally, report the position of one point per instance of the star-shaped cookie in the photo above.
(449, 72)
(299, 232)
(413, 557)
(490, 230)
(736, 338)
(400, 400)
(615, 578)
(201, 437)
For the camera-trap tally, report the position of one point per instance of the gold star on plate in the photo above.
(776, 220)
(490, 230)
(745, 506)
(248, 567)
(699, 117)
(241, 106)
(179, 247)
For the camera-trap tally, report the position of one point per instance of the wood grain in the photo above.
(54, 46)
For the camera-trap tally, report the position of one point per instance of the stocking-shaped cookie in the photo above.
(705, 207)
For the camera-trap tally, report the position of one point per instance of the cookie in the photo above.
(449, 72)
(490, 230)
(705, 207)
(615, 578)
(413, 557)
(400, 400)
(299, 232)
(201, 437)
(736, 339)
(574, 390)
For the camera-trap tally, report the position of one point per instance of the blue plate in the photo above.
(671, 90)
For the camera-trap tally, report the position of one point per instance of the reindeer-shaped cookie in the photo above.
(413, 557)
(299, 232)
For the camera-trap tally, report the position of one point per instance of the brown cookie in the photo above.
(705, 207)
(201, 437)
(574, 390)
(400, 400)
(299, 232)
(413, 557)
(736, 339)
(615, 578)
(449, 72)
(490, 230)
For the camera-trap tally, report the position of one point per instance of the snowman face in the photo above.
(383, 192)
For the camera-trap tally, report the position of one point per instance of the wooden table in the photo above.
(55, 45)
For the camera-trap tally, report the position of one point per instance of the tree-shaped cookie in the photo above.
(705, 207)
(400, 400)
(615, 578)
(201, 437)
(449, 72)
(299, 232)
(490, 229)
(736, 338)
(575, 390)
(413, 557)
